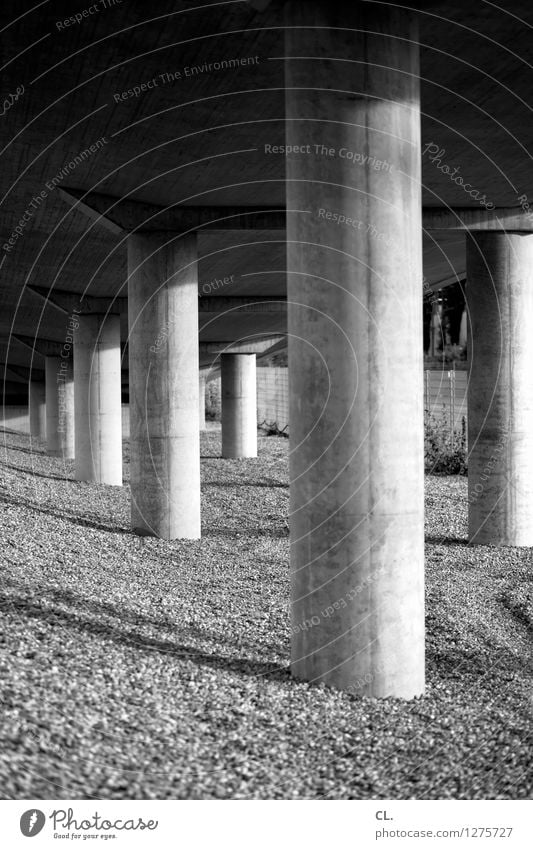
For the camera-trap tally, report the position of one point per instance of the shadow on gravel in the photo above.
(76, 619)
(4, 446)
(82, 605)
(62, 514)
(237, 483)
(518, 608)
(431, 540)
(460, 664)
(242, 533)
(33, 473)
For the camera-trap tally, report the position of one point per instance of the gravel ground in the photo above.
(137, 668)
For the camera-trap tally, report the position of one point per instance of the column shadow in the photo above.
(64, 514)
(32, 472)
(77, 618)
(444, 540)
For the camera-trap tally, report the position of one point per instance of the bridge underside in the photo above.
(189, 190)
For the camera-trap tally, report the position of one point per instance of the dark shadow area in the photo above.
(242, 533)
(83, 605)
(457, 663)
(5, 447)
(264, 484)
(518, 609)
(432, 540)
(62, 514)
(32, 472)
(77, 620)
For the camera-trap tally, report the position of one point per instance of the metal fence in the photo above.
(444, 397)
(273, 397)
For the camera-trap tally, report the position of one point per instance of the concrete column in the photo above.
(463, 330)
(499, 291)
(37, 409)
(201, 401)
(97, 394)
(355, 347)
(436, 346)
(239, 405)
(59, 388)
(164, 374)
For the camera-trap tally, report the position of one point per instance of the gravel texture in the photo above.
(137, 668)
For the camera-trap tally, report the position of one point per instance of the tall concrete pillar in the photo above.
(163, 360)
(355, 347)
(97, 394)
(436, 345)
(239, 405)
(59, 388)
(37, 409)
(499, 291)
(201, 401)
(463, 331)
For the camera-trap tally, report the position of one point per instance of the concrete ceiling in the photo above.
(199, 139)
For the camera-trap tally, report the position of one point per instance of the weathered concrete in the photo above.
(477, 218)
(164, 375)
(436, 332)
(239, 405)
(500, 392)
(59, 387)
(37, 409)
(123, 216)
(97, 399)
(188, 190)
(201, 401)
(355, 348)
(463, 331)
(70, 303)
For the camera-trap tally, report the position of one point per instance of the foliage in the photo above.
(273, 429)
(445, 452)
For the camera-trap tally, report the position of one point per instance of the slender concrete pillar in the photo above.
(201, 401)
(59, 387)
(499, 271)
(239, 405)
(463, 330)
(37, 409)
(97, 396)
(436, 345)
(355, 347)
(163, 359)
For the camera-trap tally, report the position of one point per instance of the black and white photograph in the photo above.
(266, 456)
